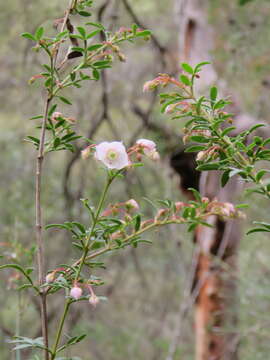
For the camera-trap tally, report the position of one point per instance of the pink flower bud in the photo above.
(154, 156)
(147, 145)
(201, 155)
(117, 235)
(122, 57)
(149, 148)
(50, 277)
(162, 79)
(169, 109)
(150, 85)
(146, 223)
(228, 209)
(56, 115)
(161, 214)
(94, 300)
(86, 152)
(179, 205)
(132, 205)
(76, 292)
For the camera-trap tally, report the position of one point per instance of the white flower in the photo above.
(76, 292)
(112, 154)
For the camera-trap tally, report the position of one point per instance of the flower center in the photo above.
(111, 155)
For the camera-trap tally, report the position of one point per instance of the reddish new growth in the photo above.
(162, 79)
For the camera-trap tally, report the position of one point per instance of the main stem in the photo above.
(60, 328)
(39, 239)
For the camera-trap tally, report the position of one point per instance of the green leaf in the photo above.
(33, 139)
(209, 166)
(96, 74)
(198, 66)
(29, 36)
(255, 127)
(221, 104)
(265, 224)
(65, 100)
(76, 339)
(24, 342)
(227, 130)
(186, 212)
(196, 194)
(39, 33)
(144, 33)
(82, 31)
(72, 76)
(225, 177)
(199, 104)
(60, 226)
(94, 47)
(244, 2)
(235, 172)
(36, 117)
(258, 230)
(79, 226)
(62, 34)
(199, 139)
(84, 13)
(137, 220)
(52, 109)
(101, 63)
(260, 174)
(76, 36)
(195, 148)
(192, 227)
(185, 80)
(48, 82)
(213, 93)
(187, 68)
(93, 33)
(241, 206)
(96, 25)
(56, 142)
(19, 268)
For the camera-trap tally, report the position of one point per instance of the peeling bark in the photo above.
(218, 245)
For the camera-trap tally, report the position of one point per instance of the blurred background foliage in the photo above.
(144, 286)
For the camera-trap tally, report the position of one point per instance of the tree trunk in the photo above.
(215, 278)
(215, 284)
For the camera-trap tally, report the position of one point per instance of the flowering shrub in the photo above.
(111, 227)
(210, 129)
